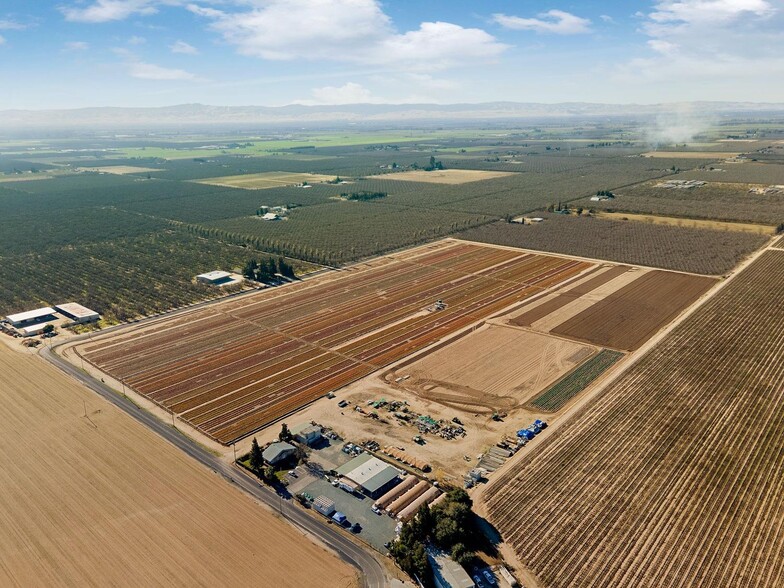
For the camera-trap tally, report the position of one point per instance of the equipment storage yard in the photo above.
(91, 497)
(671, 475)
(233, 367)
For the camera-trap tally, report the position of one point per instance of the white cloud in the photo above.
(708, 11)
(111, 10)
(151, 71)
(717, 48)
(76, 46)
(552, 21)
(2, 40)
(607, 18)
(135, 40)
(349, 93)
(184, 48)
(355, 31)
(11, 25)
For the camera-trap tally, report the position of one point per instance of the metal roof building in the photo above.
(77, 312)
(278, 452)
(447, 573)
(38, 315)
(214, 277)
(370, 473)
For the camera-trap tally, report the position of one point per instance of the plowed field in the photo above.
(674, 475)
(99, 500)
(234, 367)
(630, 316)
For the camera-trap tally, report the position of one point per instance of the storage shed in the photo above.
(306, 434)
(39, 315)
(216, 278)
(78, 313)
(324, 505)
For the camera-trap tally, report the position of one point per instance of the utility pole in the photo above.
(85, 407)
(234, 446)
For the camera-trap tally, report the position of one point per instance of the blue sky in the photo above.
(76, 53)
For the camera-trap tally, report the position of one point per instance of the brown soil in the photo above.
(557, 302)
(496, 368)
(672, 475)
(99, 500)
(447, 176)
(627, 318)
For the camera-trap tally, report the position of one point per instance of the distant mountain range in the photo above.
(200, 114)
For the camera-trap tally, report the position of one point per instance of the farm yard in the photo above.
(674, 469)
(91, 497)
(292, 345)
(700, 251)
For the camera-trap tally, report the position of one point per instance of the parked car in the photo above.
(490, 577)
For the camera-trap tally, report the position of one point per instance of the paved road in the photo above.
(370, 568)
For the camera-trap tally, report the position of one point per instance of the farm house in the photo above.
(278, 452)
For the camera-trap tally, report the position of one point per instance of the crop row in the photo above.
(701, 251)
(674, 475)
(557, 395)
(294, 345)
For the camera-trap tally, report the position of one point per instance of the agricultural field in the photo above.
(699, 251)
(560, 393)
(119, 169)
(496, 368)
(717, 200)
(264, 180)
(91, 497)
(292, 345)
(447, 176)
(675, 469)
(690, 154)
(629, 316)
(73, 214)
(122, 278)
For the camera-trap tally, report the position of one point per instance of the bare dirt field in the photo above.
(264, 180)
(99, 500)
(673, 475)
(120, 169)
(533, 313)
(630, 316)
(447, 176)
(690, 154)
(496, 368)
